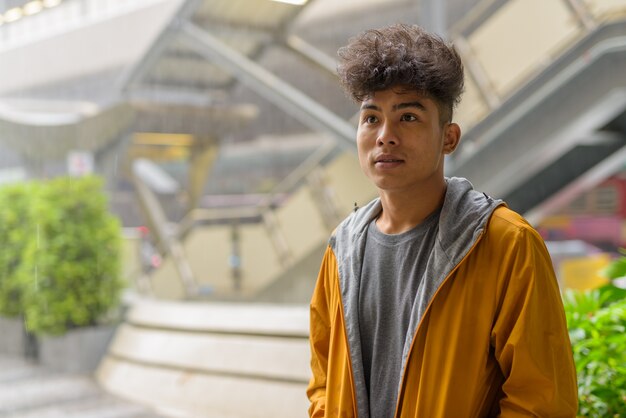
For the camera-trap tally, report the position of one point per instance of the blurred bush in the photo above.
(597, 327)
(62, 270)
(14, 235)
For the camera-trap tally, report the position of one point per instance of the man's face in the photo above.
(401, 141)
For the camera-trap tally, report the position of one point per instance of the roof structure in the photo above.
(232, 72)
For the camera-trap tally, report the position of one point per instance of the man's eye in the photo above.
(370, 119)
(408, 118)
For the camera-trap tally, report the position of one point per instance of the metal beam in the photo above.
(582, 13)
(170, 243)
(313, 54)
(289, 183)
(477, 73)
(131, 76)
(272, 88)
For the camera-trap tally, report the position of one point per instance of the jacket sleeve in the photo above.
(319, 338)
(530, 337)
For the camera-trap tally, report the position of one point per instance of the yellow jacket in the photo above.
(489, 336)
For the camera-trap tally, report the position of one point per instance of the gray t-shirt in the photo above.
(393, 266)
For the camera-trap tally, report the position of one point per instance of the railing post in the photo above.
(582, 13)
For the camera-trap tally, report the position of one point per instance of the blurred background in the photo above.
(223, 150)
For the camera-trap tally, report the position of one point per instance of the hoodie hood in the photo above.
(464, 216)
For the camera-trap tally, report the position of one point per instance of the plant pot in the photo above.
(12, 336)
(15, 340)
(78, 351)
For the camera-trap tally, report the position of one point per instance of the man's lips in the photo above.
(387, 160)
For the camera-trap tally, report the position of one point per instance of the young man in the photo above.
(434, 300)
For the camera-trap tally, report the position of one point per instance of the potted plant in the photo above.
(68, 274)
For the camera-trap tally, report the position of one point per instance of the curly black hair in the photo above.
(406, 56)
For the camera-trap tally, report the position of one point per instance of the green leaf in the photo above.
(596, 326)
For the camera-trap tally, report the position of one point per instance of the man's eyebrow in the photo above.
(369, 106)
(417, 104)
(395, 107)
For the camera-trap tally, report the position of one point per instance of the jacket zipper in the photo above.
(345, 336)
(478, 239)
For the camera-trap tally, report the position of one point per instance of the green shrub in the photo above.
(617, 269)
(597, 327)
(65, 269)
(16, 229)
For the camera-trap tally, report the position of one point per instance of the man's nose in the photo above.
(387, 135)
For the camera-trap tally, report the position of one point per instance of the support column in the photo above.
(202, 157)
(432, 16)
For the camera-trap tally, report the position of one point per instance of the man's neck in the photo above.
(403, 211)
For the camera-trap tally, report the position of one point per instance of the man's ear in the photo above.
(451, 137)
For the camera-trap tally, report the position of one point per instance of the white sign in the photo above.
(80, 163)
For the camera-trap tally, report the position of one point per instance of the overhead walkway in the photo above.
(542, 115)
(243, 256)
(92, 45)
(76, 38)
(72, 126)
(546, 100)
